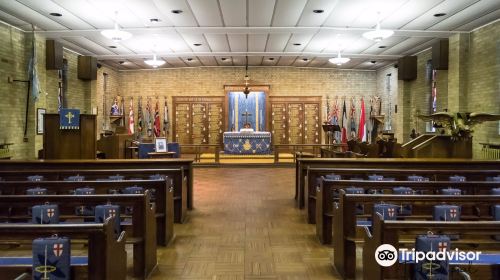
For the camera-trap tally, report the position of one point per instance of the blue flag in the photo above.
(32, 72)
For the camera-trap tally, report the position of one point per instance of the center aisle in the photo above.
(245, 226)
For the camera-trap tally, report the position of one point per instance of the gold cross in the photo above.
(69, 116)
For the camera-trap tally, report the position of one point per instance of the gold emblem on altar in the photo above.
(247, 146)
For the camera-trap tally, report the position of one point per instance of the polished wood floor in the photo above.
(245, 226)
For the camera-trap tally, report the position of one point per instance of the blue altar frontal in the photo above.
(247, 143)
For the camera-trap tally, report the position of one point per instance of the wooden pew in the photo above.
(163, 197)
(107, 258)
(142, 231)
(183, 167)
(305, 167)
(179, 193)
(390, 232)
(346, 233)
(399, 174)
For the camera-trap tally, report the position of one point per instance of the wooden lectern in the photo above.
(69, 143)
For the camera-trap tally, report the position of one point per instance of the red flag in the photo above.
(344, 124)
(362, 123)
(157, 120)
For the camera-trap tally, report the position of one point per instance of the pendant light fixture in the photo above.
(246, 90)
(378, 34)
(154, 62)
(339, 60)
(116, 34)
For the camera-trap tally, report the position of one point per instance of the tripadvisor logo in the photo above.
(386, 255)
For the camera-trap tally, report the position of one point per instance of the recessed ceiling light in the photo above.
(112, 47)
(382, 47)
(56, 14)
(373, 61)
(154, 20)
(223, 58)
(176, 12)
(197, 44)
(318, 11)
(189, 59)
(297, 44)
(271, 58)
(440, 14)
(305, 59)
(121, 62)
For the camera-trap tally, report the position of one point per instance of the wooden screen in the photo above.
(198, 120)
(295, 119)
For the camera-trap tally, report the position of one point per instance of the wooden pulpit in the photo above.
(69, 143)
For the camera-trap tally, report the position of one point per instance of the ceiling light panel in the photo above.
(480, 21)
(255, 60)
(320, 41)
(14, 20)
(287, 12)
(192, 39)
(146, 10)
(302, 38)
(389, 42)
(344, 13)
(286, 60)
(67, 19)
(208, 60)
(268, 62)
(174, 61)
(116, 11)
(426, 20)
(277, 42)
(309, 18)
(369, 13)
(257, 43)
(237, 42)
(217, 42)
(406, 13)
(186, 18)
(234, 12)
(86, 12)
(260, 12)
(404, 45)
(26, 14)
(471, 13)
(89, 45)
(207, 12)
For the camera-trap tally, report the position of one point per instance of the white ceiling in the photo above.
(263, 30)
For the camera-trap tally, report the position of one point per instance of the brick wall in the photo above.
(210, 81)
(483, 83)
(15, 51)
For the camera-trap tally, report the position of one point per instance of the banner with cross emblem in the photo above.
(69, 119)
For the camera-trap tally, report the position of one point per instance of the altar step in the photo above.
(226, 158)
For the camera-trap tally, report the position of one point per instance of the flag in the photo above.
(131, 117)
(352, 117)
(165, 119)
(344, 124)
(147, 117)
(362, 124)
(157, 128)
(33, 73)
(335, 113)
(139, 116)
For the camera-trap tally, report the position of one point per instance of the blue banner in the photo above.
(247, 111)
(69, 119)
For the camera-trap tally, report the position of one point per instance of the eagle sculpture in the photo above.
(459, 124)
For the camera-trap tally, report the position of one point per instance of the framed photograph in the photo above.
(39, 120)
(160, 144)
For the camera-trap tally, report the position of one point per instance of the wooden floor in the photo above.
(245, 226)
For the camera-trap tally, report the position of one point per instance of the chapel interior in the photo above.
(249, 139)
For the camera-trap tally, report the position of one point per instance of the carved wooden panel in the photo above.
(198, 120)
(295, 119)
